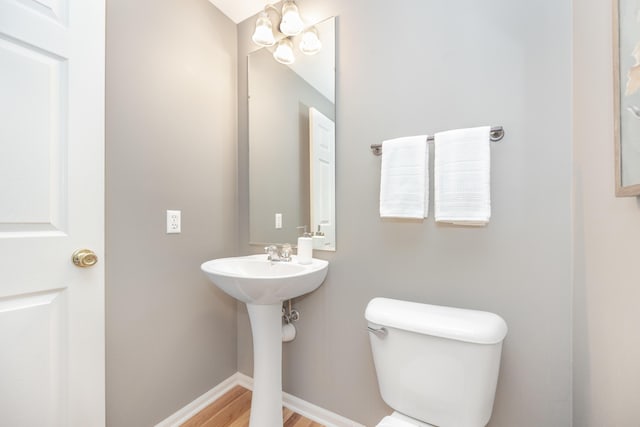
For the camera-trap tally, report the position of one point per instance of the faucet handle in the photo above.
(285, 253)
(272, 252)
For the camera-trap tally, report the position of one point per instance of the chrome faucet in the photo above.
(278, 254)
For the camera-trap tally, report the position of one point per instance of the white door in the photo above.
(323, 171)
(51, 203)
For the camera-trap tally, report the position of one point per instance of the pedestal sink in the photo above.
(263, 285)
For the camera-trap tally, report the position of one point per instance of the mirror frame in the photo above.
(626, 124)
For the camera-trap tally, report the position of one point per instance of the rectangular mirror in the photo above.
(292, 144)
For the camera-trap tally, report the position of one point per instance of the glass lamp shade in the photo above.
(284, 52)
(263, 34)
(291, 23)
(310, 43)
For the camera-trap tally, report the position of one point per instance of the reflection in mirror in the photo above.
(292, 144)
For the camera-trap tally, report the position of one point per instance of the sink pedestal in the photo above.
(266, 328)
(263, 285)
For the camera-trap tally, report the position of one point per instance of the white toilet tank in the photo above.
(436, 364)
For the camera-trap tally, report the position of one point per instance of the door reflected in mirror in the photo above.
(292, 144)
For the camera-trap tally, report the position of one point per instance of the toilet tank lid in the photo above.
(460, 324)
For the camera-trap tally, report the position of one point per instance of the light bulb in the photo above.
(263, 34)
(310, 43)
(284, 52)
(291, 23)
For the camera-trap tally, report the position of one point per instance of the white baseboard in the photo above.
(187, 412)
(302, 407)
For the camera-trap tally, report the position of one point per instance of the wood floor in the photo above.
(233, 409)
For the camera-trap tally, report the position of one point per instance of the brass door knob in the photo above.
(84, 258)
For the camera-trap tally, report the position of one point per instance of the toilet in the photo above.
(436, 366)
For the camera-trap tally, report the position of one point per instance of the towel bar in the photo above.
(496, 134)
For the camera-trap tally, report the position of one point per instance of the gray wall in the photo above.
(607, 240)
(170, 144)
(418, 67)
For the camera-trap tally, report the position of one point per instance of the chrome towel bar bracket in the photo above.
(496, 134)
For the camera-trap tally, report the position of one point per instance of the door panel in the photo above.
(33, 369)
(33, 155)
(323, 189)
(51, 203)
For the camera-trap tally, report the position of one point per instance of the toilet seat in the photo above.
(398, 420)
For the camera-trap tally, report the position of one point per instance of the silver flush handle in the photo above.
(381, 332)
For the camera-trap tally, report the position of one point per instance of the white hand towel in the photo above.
(404, 178)
(462, 170)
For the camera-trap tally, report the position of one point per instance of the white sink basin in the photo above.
(255, 280)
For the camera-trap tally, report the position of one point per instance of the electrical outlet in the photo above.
(278, 221)
(173, 222)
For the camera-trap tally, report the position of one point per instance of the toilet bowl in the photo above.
(398, 420)
(435, 365)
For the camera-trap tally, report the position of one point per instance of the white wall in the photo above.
(170, 144)
(606, 348)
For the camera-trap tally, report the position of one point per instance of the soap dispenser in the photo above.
(318, 239)
(305, 246)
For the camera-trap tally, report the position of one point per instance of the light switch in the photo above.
(278, 221)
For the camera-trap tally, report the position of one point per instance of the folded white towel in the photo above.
(462, 170)
(404, 178)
